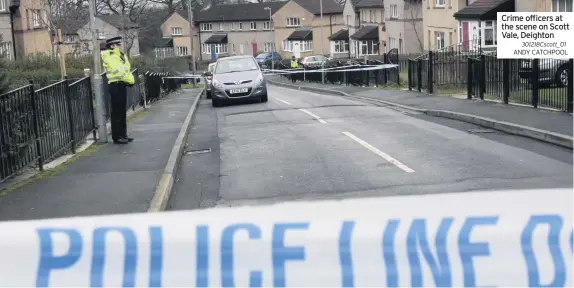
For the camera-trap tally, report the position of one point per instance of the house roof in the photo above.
(301, 35)
(366, 33)
(342, 34)
(116, 21)
(216, 39)
(367, 4)
(314, 6)
(165, 43)
(235, 12)
(485, 9)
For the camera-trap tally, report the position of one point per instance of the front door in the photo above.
(465, 35)
(297, 49)
(254, 48)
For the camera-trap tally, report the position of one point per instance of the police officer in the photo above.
(294, 65)
(119, 75)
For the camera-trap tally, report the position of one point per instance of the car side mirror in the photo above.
(208, 73)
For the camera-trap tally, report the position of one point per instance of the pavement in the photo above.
(112, 179)
(553, 121)
(307, 146)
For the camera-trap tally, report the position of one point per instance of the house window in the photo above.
(439, 3)
(253, 25)
(373, 16)
(439, 36)
(341, 46)
(348, 20)
(392, 43)
(559, 6)
(489, 33)
(6, 50)
(206, 27)
(219, 48)
(268, 47)
(232, 26)
(233, 48)
(101, 35)
(181, 51)
(394, 12)
(68, 39)
(240, 26)
(2, 5)
(268, 25)
(369, 47)
(36, 18)
(176, 31)
(293, 22)
(306, 46)
(400, 46)
(220, 28)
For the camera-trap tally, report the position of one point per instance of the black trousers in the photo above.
(293, 79)
(118, 99)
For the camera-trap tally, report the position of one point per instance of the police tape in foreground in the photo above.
(508, 238)
(332, 69)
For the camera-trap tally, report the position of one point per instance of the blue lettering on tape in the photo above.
(99, 256)
(345, 254)
(156, 257)
(227, 269)
(202, 256)
(389, 256)
(555, 224)
(282, 253)
(48, 261)
(468, 250)
(416, 237)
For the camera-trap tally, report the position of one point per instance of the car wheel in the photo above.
(562, 76)
(264, 98)
(215, 102)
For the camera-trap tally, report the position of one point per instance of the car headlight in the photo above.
(216, 84)
(259, 79)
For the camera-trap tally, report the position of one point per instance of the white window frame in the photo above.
(175, 30)
(439, 41)
(292, 22)
(240, 27)
(2, 5)
(561, 6)
(268, 25)
(268, 47)
(219, 48)
(365, 43)
(36, 18)
(373, 16)
(394, 11)
(439, 3)
(6, 49)
(221, 26)
(253, 26)
(101, 35)
(181, 51)
(206, 27)
(232, 26)
(491, 27)
(340, 46)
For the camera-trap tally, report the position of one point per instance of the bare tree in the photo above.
(414, 18)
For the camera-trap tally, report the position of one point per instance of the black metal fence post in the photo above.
(469, 79)
(70, 113)
(570, 85)
(535, 82)
(36, 127)
(410, 75)
(505, 80)
(429, 73)
(419, 74)
(482, 76)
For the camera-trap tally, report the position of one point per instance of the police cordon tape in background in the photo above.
(498, 238)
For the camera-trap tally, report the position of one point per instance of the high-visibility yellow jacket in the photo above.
(117, 67)
(294, 64)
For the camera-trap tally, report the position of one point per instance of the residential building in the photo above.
(299, 30)
(6, 47)
(176, 35)
(543, 5)
(404, 25)
(238, 29)
(477, 23)
(77, 39)
(440, 28)
(24, 27)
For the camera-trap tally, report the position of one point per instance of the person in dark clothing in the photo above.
(294, 65)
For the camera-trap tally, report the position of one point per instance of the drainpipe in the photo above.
(12, 30)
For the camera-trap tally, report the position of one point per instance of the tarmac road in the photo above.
(303, 146)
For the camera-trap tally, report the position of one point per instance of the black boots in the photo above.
(124, 140)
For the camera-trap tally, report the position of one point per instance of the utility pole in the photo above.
(322, 48)
(192, 52)
(97, 77)
(272, 42)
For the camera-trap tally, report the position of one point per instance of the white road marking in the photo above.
(313, 115)
(283, 101)
(380, 153)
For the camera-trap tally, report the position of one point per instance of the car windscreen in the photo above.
(235, 65)
(262, 56)
(210, 68)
